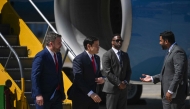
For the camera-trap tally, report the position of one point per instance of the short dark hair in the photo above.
(168, 35)
(50, 37)
(116, 35)
(89, 40)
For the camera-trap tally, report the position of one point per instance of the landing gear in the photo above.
(134, 93)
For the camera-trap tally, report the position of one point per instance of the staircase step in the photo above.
(20, 50)
(5, 29)
(65, 106)
(28, 84)
(32, 106)
(29, 97)
(26, 62)
(15, 73)
(11, 39)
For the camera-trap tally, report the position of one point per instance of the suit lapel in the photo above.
(169, 53)
(50, 58)
(163, 66)
(115, 59)
(114, 56)
(172, 49)
(97, 64)
(122, 58)
(167, 56)
(59, 59)
(88, 60)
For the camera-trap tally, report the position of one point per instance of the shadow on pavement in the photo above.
(146, 103)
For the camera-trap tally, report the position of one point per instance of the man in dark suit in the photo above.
(86, 69)
(47, 79)
(173, 76)
(117, 70)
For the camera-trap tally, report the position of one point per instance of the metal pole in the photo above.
(45, 37)
(8, 59)
(65, 56)
(21, 71)
(13, 51)
(67, 46)
(42, 16)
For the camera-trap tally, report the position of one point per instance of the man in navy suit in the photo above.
(86, 69)
(46, 76)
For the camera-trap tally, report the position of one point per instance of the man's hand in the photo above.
(99, 80)
(146, 79)
(96, 98)
(39, 100)
(169, 96)
(122, 85)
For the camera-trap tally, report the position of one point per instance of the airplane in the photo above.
(138, 21)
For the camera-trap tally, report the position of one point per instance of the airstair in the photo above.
(25, 45)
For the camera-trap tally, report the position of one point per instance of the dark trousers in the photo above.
(174, 104)
(76, 104)
(54, 103)
(117, 100)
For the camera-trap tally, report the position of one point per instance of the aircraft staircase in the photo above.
(26, 46)
(12, 66)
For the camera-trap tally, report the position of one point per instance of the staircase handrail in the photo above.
(68, 48)
(19, 63)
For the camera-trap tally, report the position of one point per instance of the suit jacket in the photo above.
(84, 77)
(44, 76)
(173, 75)
(114, 72)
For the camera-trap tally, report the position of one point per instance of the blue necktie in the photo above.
(120, 59)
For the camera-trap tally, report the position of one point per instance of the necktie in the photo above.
(56, 63)
(93, 64)
(119, 54)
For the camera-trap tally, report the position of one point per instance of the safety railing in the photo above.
(68, 49)
(19, 63)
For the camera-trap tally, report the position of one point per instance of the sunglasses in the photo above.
(118, 40)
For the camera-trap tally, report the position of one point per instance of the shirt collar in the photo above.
(52, 53)
(171, 47)
(90, 55)
(115, 50)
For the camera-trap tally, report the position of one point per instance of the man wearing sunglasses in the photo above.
(117, 70)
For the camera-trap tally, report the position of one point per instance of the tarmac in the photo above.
(150, 99)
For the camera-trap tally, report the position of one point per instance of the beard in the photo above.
(118, 46)
(57, 49)
(163, 47)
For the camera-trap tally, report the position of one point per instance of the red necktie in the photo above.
(56, 63)
(93, 64)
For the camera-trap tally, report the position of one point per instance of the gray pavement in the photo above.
(150, 99)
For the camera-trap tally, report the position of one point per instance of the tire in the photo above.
(134, 93)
